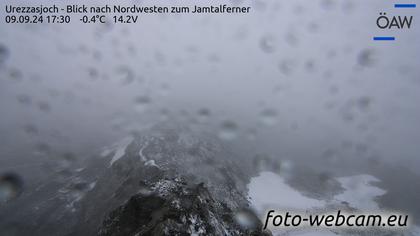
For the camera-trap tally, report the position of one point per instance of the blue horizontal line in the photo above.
(383, 38)
(405, 5)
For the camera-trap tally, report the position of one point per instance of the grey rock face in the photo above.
(168, 182)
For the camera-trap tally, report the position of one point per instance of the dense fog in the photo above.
(298, 81)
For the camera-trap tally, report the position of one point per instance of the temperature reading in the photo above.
(93, 19)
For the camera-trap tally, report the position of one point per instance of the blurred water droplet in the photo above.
(252, 134)
(325, 178)
(15, 74)
(93, 73)
(11, 186)
(260, 5)
(268, 43)
(30, 129)
(241, 33)
(331, 54)
(44, 106)
(53, 93)
(203, 114)
(164, 114)
(327, 4)
(348, 6)
(246, 219)
(286, 168)
(97, 55)
(292, 39)
(268, 117)
(4, 54)
(125, 74)
(347, 116)
(310, 65)
(24, 99)
(164, 89)
(298, 9)
(367, 58)
(236, 2)
(331, 155)
(361, 148)
(142, 103)
(213, 57)
(43, 148)
(313, 27)
(364, 103)
(333, 90)
(69, 157)
(228, 130)
(286, 67)
(160, 58)
(374, 161)
(263, 162)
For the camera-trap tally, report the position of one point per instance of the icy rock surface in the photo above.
(168, 182)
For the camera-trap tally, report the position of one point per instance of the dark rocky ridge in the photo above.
(169, 182)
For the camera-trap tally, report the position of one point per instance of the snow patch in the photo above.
(359, 192)
(118, 149)
(151, 163)
(270, 191)
(142, 156)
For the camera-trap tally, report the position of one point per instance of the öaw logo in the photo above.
(398, 22)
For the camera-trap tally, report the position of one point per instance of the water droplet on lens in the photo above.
(126, 75)
(30, 129)
(11, 186)
(367, 58)
(213, 57)
(93, 73)
(4, 54)
(246, 219)
(160, 58)
(251, 134)
(325, 178)
(44, 106)
(313, 27)
(228, 130)
(236, 2)
(327, 4)
(364, 103)
(286, 67)
(267, 44)
(310, 65)
(142, 103)
(348, 6)
(331, 155)
(15, 74)
(164, 89)
(43, 148)
(268, 117)
(292, 39)
(263, 162)
(24, 99)
(203, 114)
(164, 114)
